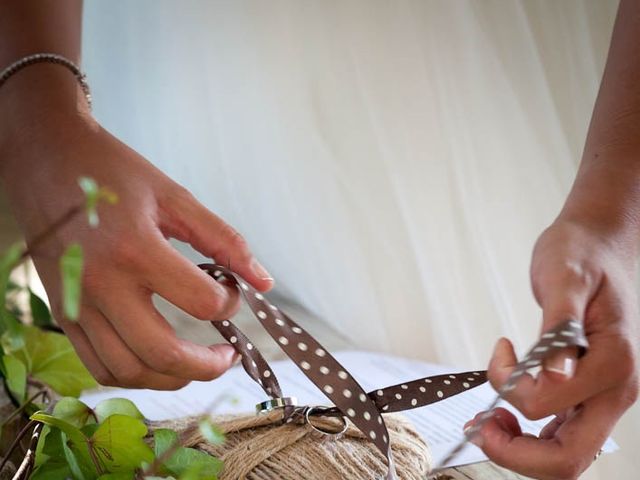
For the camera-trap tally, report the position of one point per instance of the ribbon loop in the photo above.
(363, 409)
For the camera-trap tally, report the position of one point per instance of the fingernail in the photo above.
(562, 363)
(236, 359)
(260, 271)
(220, 290)
(467, 426)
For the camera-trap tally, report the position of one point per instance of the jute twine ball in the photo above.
(260, 447)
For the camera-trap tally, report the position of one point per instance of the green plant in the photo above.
(44, 377)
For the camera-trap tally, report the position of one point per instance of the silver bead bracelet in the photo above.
(48, 58)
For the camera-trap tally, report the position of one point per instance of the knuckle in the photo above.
(626, 361)
(179, 195)
(165, 358)
(235, 241)
(208, 307)
(133, 376)
(103, 377)
(125, 252)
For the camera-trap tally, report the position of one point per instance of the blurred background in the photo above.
(390, 162)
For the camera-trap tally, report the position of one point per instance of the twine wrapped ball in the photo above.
(261, 447)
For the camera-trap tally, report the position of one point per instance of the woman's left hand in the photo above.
(577, 272)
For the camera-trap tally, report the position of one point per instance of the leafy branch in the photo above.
(43, 377)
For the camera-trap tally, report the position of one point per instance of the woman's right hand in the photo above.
(120, 336)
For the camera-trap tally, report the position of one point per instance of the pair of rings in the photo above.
(308, 413)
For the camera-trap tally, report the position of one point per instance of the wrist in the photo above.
(38, 97)
(43, 104)
(619, 240)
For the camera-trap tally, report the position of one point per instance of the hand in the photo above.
(581, 273)
(122, 339)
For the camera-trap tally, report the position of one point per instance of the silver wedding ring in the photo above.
(275, 403)
(327, 434)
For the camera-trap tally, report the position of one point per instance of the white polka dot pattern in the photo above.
(364, 409)
(302, 347)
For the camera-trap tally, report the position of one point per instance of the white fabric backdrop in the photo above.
(391, 163)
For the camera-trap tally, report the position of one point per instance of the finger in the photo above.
(153, 340)
(547, 394)
(127, 369)
(87, 354)
(550, 429)
(186, 219)
(565, 455)
(507, 420)
(188, 287)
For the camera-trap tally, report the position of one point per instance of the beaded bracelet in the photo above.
(48, 58)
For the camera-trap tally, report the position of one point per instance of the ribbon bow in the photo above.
(364, 409)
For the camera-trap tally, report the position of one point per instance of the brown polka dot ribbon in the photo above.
(364, 409)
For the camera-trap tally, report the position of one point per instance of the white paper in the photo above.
(440, 424)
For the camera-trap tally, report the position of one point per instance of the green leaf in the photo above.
(75, 445)
(39, 311)
(16, 374)
(73, 433)
(54, 469)
(71, 264)
(72, 461)
(118, 443)
(93, 195)
(185, 461)
(195, 473)
(113, 406)
(118, 476)
(12, 339)
(8, 261)
(73, 411)
(211, 432)
(51, 359)
(163, 440)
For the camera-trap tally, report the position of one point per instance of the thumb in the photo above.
(564, 294)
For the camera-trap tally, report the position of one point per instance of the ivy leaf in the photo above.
(211, 432)
(75, 445)
(50, 358)
(39, 311)
(73, 411)
(72, 461)
(12, 339)
(73, 433)
(16, 374)
(53, 469)
(119, 443)
(163, 440)
(118, 476)
(9, 259)
(93, 194)
(185, 461)
(113, 406)
(71, 264)
(194, 473)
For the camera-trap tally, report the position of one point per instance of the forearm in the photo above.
(36, 26)
(606, 192)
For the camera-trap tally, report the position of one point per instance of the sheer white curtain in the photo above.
(391, 163)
